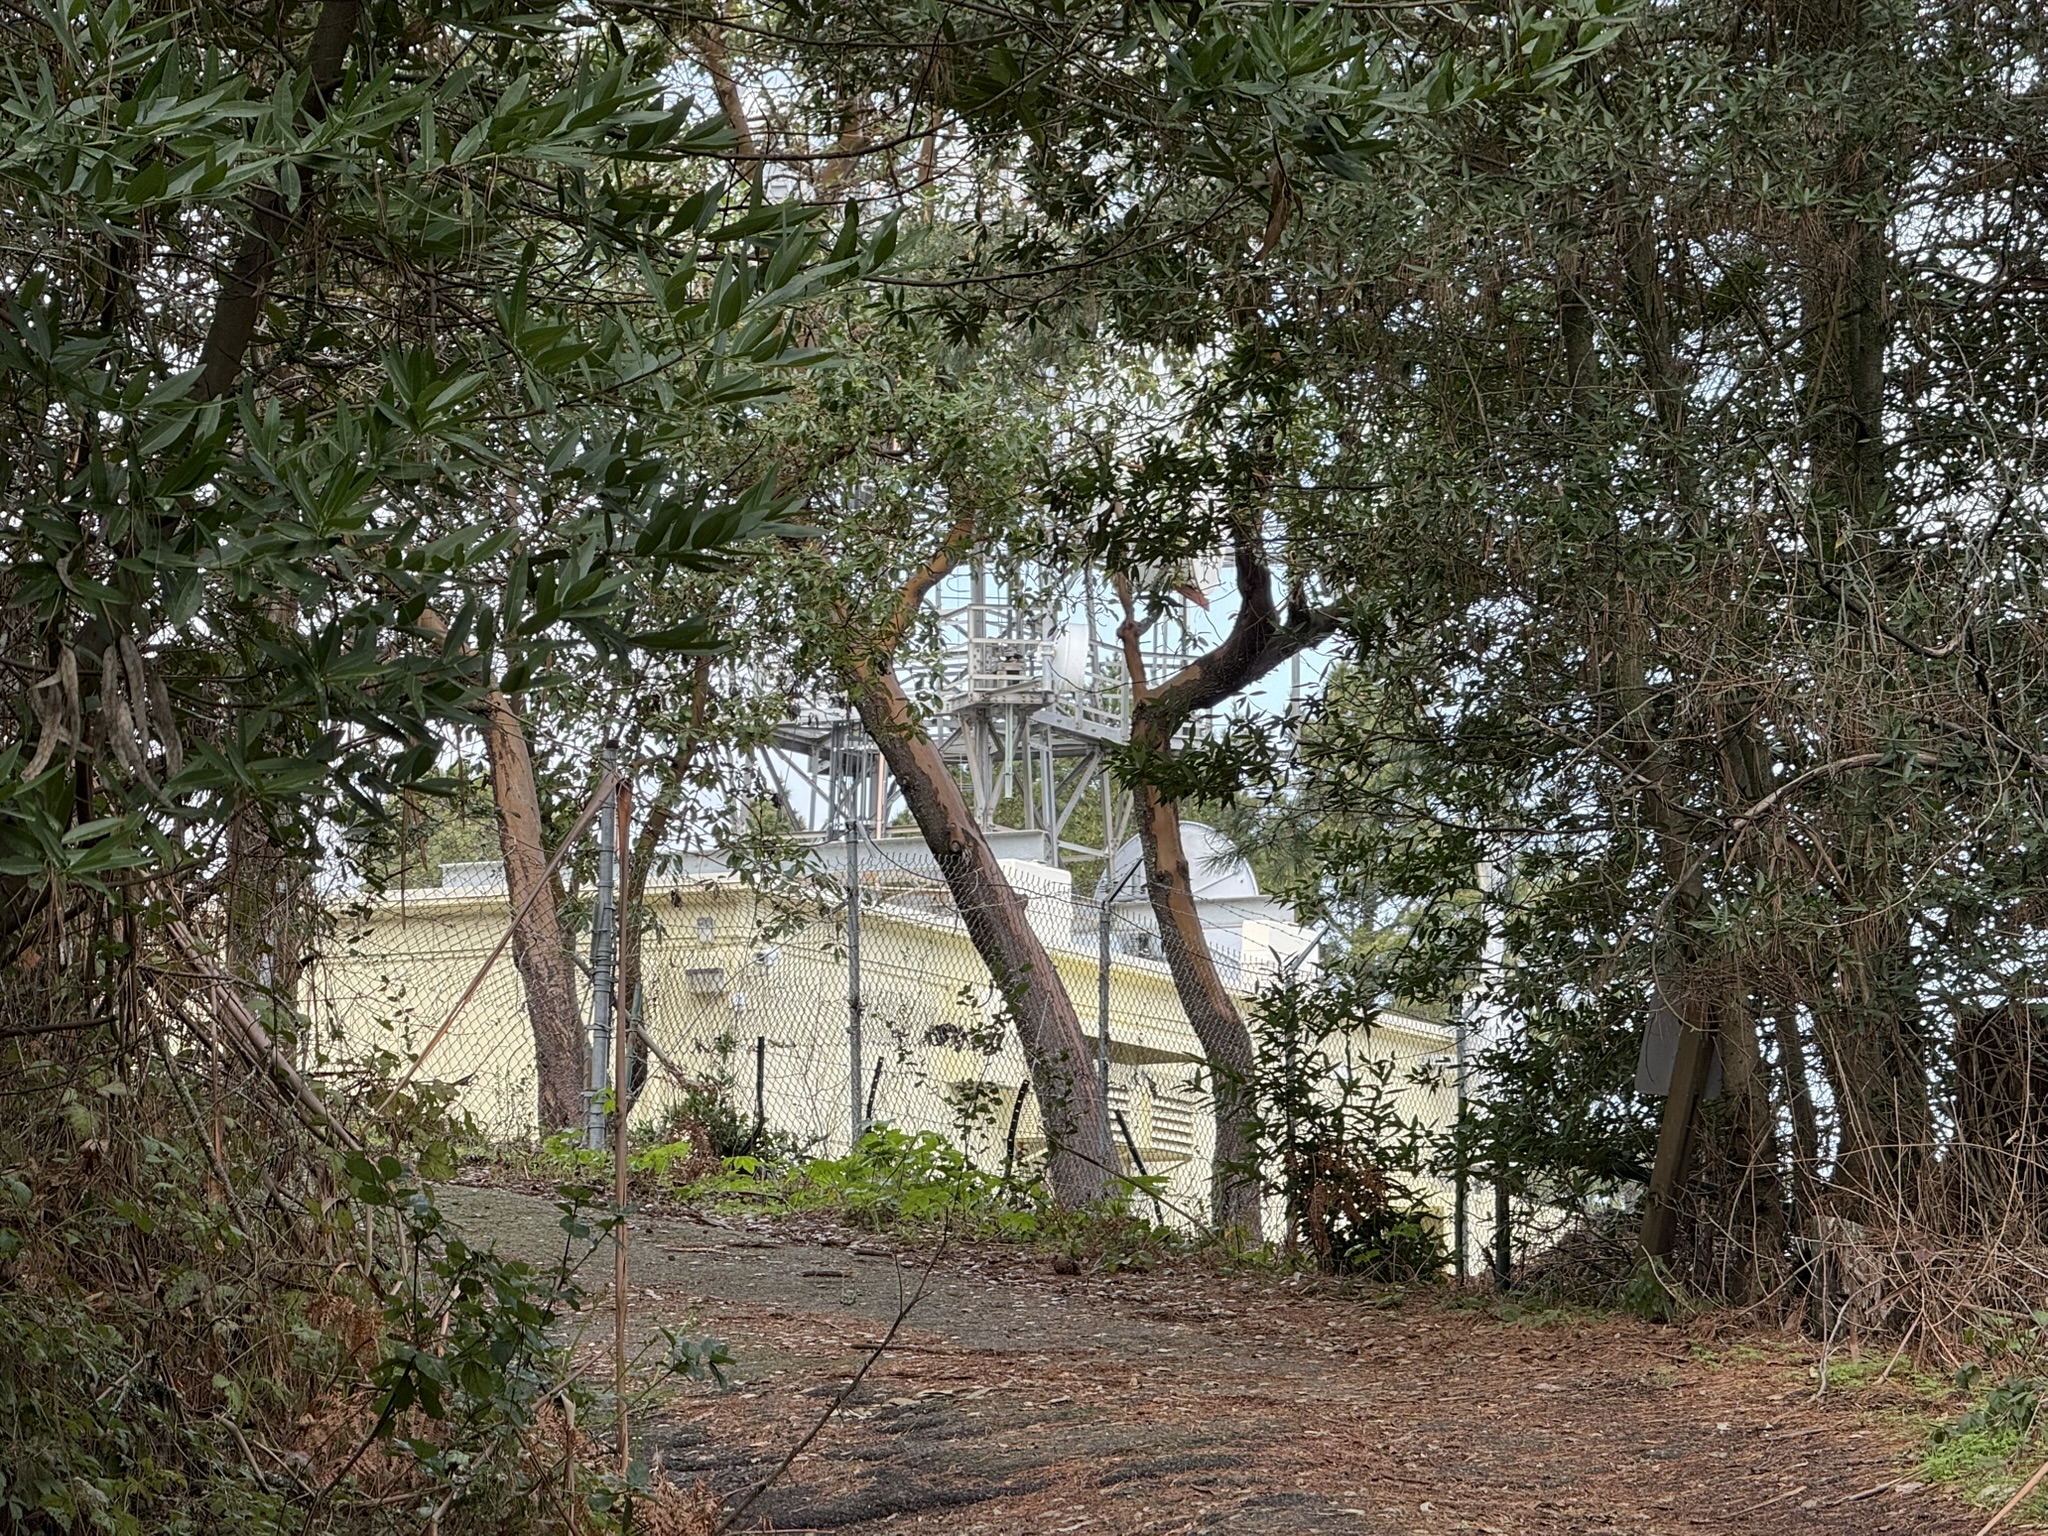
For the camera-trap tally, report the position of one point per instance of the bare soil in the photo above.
(1183, 1401)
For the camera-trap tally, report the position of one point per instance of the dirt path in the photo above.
(1184, 1402)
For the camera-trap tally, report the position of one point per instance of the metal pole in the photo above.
(1010, 1141)
(1109, 897)
(1291, 1159)
(855, 1118)
(1461, 1200)
(1503, 1239)
(1138, 1162)
(603, 949)
(760, 1092)
(621, 1080)
(1102, 1030)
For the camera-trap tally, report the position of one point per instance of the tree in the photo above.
(344, 388)
(1261, 637)
(1688, 532)
(1070, 1101)
(914, 457)
(1122, 168)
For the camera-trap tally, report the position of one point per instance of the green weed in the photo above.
(564, 1156)
(1653, 1293)
(920, 1180)
(1989, 1449)
(1881, 1370)
(1539, 1315)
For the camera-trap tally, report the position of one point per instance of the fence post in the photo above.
(760, 1093)
(1503, 1239)
(855, 1118)
(603, 950)
(1461, 1200)
(1102, 1031)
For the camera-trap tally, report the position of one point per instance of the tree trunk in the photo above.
(1876, 1062)
(1799, 1101)
(1871, 1031)
(1257, 643)
(538, 948)
(1745, 1168)
(1678, 1125)
(266, 886)
(1681, 978)
(1211, 1011)
(1062, 1068)
(2001, 1115)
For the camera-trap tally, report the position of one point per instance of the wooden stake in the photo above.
(569, 1451)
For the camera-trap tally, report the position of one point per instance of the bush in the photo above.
(891, 1176)
(1341, 1144)
(704, 1115)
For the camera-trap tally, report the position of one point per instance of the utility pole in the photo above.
(856, 1117)
(603, 955)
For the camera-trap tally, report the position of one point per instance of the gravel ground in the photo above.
(1183, 1401)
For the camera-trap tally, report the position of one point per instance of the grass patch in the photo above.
(1992, 1447)
(1869, 1372)
(1751, 1354)
(1541, 1314)
(896, 1181)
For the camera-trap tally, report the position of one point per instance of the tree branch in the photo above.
(239, 308)
(1259, 640)
(710, 40)
(935, 570)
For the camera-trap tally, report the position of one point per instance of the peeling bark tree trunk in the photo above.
(1062, 1068)
(1257, 643)
(1211, 1011)
(538, 948)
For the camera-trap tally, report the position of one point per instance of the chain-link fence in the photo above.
(746, 1001)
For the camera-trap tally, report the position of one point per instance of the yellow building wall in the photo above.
(718, 977)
